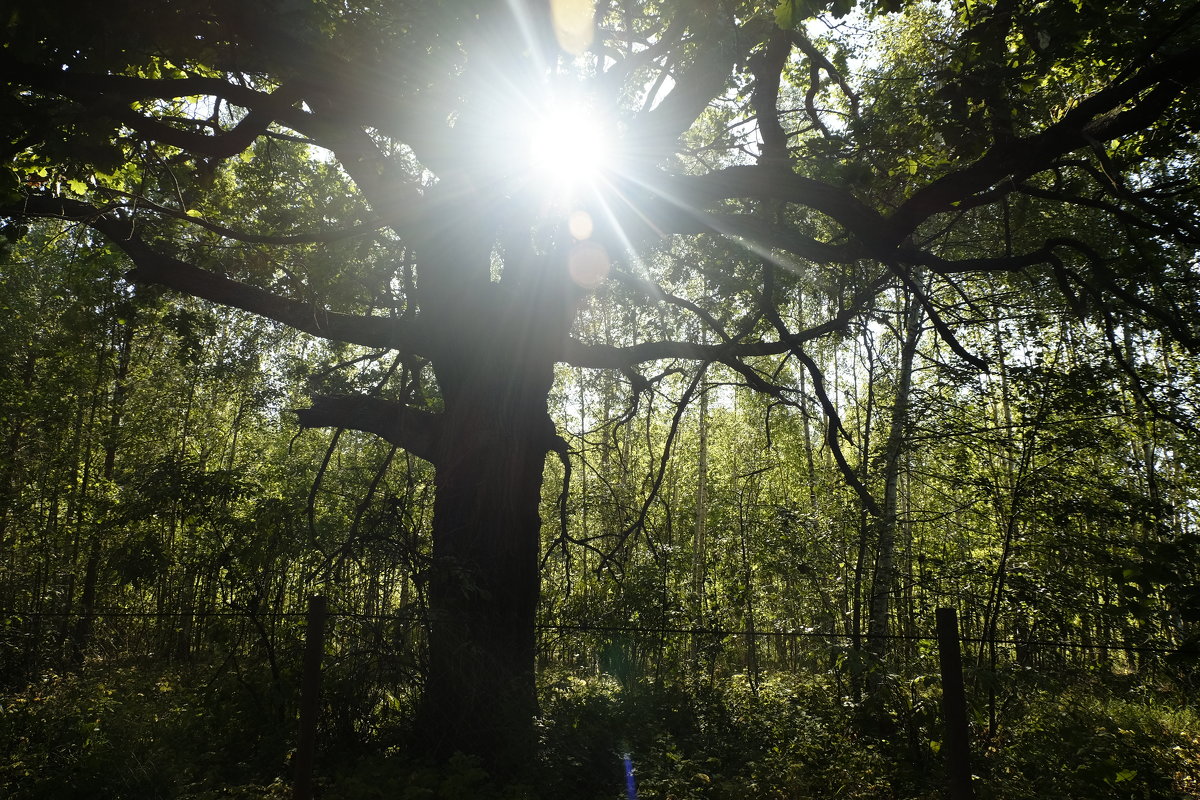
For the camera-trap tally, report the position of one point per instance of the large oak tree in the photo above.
(905, 146)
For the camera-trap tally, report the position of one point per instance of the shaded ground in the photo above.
(130, 734)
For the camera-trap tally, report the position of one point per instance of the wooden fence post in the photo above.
(956, 743)
(310, 696)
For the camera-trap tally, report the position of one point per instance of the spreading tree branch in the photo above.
(1117, 110)
(767, 66)
(151, 266)
(408, 428)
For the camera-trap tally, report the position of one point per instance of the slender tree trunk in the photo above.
(700, 546)
(82, 634)
(84, 626)
(752, 663)
(1013, 479)
(8, 464)
(863, 516)
(885, 573)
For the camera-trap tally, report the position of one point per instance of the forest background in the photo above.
(878, 309)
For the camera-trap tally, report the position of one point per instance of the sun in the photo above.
(570, 148)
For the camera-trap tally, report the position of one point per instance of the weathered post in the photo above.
(310, 696)
(956, 744)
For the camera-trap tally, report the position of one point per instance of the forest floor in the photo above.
(144, 733)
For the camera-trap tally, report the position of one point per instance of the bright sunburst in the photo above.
(570, 148)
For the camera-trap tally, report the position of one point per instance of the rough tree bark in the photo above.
(484, 582)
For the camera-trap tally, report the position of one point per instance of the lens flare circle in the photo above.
(580, 225)
(574, 24)
(588, 264)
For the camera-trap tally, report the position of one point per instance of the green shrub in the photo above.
(66, 737)
(1079, 745)
(130, 733)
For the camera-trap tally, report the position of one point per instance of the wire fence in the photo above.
(1159, 648)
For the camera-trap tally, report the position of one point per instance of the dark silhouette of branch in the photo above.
(935, 318)
(639, 524)
(150, 266)
(598, 356)
(653, 134)
(818, 59)
(833, 419)
(312, 237)
(408, 428)
(1117, 110)
(767, 66)
(656, 292)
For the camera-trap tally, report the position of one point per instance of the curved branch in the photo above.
(1111, 183)
(615, 76)
(599, 356)
(755, 231)
(1143, 96)
(833, 419)
(334, 235)
(639, 524)
(767, 67)
(653, 135)
(656, 292)
(219, 145)
(770, 183)
(804, 45)
(73, 83)
(945, 266)
(412, 430)
(1121, 214)
(1106, 280)
(833, 425)
(935, 318)
(111, 96)
(151, 266)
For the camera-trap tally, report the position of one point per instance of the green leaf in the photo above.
(785, 14)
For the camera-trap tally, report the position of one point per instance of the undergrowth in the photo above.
(136, 733)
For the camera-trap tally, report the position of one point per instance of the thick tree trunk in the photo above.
(483, 588)
(484, 582)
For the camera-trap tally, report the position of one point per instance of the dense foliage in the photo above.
(879, 308)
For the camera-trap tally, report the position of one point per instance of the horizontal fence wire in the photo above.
(724, 632)
(1161, 648)
(158, 614)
